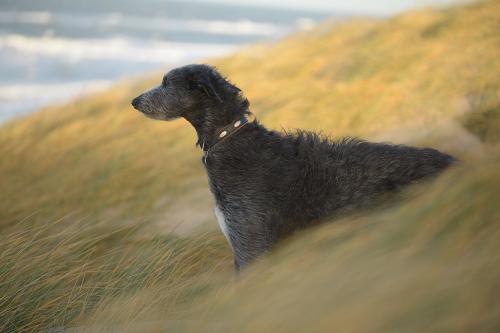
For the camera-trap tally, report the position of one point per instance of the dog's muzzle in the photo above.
(136, 102)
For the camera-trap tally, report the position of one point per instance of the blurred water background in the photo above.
(52, 50)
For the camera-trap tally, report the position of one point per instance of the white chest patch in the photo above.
(222, 222)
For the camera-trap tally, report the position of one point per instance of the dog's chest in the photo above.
(221, 219)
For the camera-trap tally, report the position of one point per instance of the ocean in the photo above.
(53, 50)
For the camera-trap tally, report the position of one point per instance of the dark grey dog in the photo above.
(268, 184)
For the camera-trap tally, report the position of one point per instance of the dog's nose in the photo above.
(136, 102)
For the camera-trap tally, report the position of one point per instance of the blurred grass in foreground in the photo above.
(66, 269)
(104, 214)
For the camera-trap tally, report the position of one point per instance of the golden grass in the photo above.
(94, 196)
(63, 270)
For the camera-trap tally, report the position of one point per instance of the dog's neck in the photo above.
(209, 123)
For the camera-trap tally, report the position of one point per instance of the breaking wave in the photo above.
(116, 48)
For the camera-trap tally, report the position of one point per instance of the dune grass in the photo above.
(63, 270)
(106, 221)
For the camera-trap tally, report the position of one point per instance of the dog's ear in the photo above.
(206, 84)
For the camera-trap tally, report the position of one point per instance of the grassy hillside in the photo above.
(106, 218)
(380, 80)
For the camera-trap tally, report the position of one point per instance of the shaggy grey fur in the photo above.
(269, 184)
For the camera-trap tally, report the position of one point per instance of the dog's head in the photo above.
(187, 92)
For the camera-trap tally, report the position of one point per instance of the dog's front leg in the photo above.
(249, 240)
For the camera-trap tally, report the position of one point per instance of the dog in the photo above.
(268, 184)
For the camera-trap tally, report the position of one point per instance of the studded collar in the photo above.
(226, 132)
